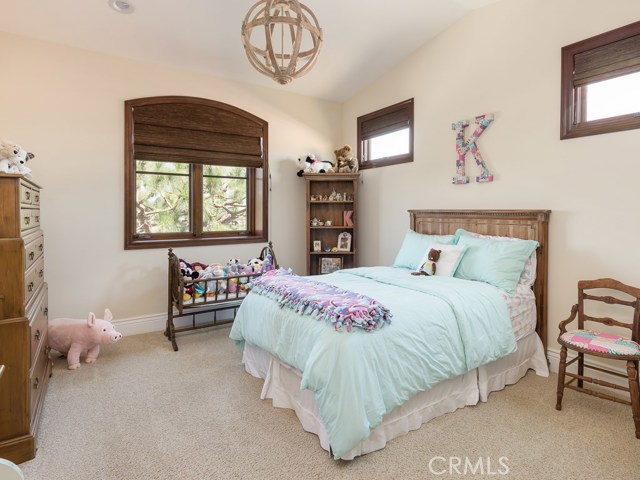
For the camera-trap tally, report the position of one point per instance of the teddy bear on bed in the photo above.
(346, 161)
(429, 267)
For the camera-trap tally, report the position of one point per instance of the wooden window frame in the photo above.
(573, 121)
(404, 109)
(196, 237)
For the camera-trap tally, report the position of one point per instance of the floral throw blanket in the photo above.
(342, 308)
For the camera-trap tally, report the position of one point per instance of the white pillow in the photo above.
(450, 256)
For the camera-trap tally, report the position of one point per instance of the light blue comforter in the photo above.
(441, 327)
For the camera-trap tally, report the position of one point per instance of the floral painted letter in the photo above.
(463, 146)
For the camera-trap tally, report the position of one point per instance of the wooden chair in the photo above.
(600, 344)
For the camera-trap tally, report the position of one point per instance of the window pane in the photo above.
(610, 98)
(164, 167)
(224, 204)
(389, 145)
(220, 171)
(162, 202)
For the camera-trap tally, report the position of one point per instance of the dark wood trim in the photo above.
(573, 122)
(408, 106)
(210, 109)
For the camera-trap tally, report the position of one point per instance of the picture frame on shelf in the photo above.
(317, 246)
(330, 264)
(344, 242)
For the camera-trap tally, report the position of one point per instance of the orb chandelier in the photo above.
(282, 39)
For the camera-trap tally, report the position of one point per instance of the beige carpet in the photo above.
(146, 412)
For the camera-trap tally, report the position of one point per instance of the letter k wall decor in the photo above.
(464, 145)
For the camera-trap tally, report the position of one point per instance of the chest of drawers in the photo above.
(23, 317)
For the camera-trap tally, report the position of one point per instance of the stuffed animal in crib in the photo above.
(13, 158)
(256, 264)
(71, 337)
(429, 267)
(312, 165)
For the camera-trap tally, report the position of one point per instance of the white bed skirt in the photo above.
(282, 385)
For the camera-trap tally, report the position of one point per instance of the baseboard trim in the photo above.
(144, 324)
(158, 322)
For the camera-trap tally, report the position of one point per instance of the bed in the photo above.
(359, 390)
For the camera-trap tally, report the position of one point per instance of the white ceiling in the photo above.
(362, 38)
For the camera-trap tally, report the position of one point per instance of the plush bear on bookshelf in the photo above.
(429, 267)
(346, 161)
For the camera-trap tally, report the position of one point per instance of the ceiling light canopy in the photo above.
(282, 39)
(121, 6)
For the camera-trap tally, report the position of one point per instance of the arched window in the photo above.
(195, 173)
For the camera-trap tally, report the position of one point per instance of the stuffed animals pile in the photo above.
(13, 158)
(223, 279)
(429, 267)
(310, 164)
(346, 161)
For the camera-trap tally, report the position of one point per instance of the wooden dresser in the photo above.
(23, 318)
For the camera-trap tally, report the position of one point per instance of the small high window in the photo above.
(385, 137)
(601, 83)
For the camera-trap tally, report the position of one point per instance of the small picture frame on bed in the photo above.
(330, 264)
(344, 242)
(317, 246)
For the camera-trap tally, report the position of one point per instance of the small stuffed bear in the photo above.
(346, 161)
(429, 267)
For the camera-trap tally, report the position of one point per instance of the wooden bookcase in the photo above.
(326, 202)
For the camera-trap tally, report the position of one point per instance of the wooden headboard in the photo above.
(526, 224)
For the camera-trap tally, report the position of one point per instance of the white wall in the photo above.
(67, 106)
(505, 59)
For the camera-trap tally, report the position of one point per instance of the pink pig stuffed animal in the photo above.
(71, 337)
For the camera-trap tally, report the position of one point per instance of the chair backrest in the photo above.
(614, 286)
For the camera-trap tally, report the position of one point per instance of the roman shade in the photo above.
(190, 130)
(607, 61)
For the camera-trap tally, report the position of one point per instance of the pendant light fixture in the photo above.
(282, 39)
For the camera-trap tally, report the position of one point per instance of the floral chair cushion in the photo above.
(601, 342)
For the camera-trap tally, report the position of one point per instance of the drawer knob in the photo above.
(40, 247)
(46, 311)
(37, 218)
(37, 198)
(30, 287)
(27, 220)
(27, 195)
(36, 383)
(32, 255)
(37, 335)
(41, 273)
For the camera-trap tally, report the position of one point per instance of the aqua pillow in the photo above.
(492, 261)
(414, 246)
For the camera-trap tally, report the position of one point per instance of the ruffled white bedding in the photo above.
(282, 385)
